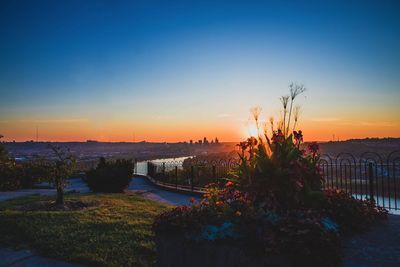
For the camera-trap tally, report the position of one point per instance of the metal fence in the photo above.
(368, 175)
(192, 173)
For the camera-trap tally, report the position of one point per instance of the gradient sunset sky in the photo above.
(174, 71)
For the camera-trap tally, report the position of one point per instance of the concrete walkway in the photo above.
(25, 258)
(380, 247)
(74, 184)
(139, 185)
(145, 188)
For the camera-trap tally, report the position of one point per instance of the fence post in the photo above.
(149, 170)
(176, 176)
(371, 181)
(345, 178)
(135, 167)
(214, 173)
(163, 171)
(191, 176)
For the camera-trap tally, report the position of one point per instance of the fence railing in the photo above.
(368, 175)
(192, 173)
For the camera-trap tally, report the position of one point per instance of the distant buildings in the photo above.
(205, 141)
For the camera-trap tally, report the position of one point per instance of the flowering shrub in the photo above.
(229, 215)
(353, 215)
(308, 240)
(219, 213)
(212, 232)
(275, 203)
(305, 231)
(278, 172)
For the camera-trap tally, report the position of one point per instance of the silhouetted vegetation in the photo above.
(110, 176)
(16, 175)
(57, 171)
(273, 203)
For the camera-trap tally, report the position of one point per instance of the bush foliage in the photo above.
(274, 202)
(16, 175)
(110, 177)
(353, 215)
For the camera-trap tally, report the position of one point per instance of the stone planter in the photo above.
(175, 251)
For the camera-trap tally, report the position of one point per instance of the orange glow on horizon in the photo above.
(226, 131)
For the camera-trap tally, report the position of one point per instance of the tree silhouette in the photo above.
(59, 170)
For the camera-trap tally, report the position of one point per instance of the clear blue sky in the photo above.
(106, 69)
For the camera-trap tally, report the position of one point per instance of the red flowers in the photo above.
(298, 137)
(278, 137)
(313, 147)
(229, 184)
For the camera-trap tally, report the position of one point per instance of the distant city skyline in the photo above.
(178, 70)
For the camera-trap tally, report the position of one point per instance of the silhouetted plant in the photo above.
(9, 176)
(274, 203)
(3, 152)
(274, 169)
(58, 170)
(353, 215)
(110, 177)
(15, 175)
(32, 172)
(295, 90)
(8, 179)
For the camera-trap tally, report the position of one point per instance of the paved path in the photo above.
(74, 184)
(145, 188)
(25, 258)
(139, 185)
(380, 247)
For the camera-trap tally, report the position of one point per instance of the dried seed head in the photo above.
(256, 111)
(296, 112)
(284, 100)
(295, 90)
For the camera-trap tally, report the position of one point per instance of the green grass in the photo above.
(115, 233)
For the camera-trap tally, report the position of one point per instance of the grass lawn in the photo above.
(117, 232)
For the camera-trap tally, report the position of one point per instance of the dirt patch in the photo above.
(69, 205)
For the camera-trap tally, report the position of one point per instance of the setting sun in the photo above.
(252, 130)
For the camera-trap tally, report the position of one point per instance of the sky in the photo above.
(179, 70)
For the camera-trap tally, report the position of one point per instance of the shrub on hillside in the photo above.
(9, 178)
(110, 177)
(229, 216)
(274, 202)
(15, 175)
(353, 215)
